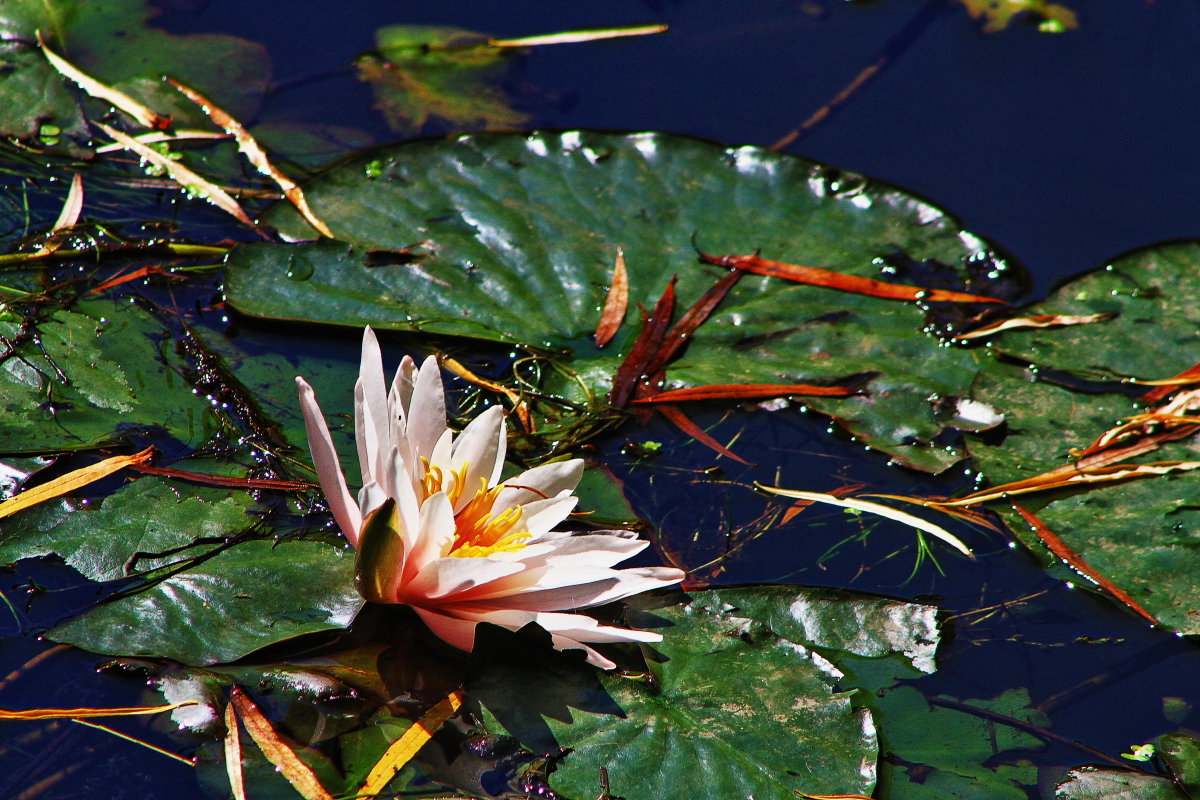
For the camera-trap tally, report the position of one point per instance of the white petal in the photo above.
(565, 588)
(329, 471)
(441, 580)
(435, 537)
(480, 448)
(371, 408)
(426, 418)
(542, 516)
(540, 483)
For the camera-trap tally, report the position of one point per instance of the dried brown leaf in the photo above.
(616, 302)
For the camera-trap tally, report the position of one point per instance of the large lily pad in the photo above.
(111, 41)
(511, 238)
(90, 376)
(1144, 535)
(745, 700)
(240, 600)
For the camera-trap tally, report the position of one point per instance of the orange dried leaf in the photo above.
(73, 480)
(681, 421)
(748, 391)
(403, 749)
(256, 156)
(223, 480)
(1040, 321)
(1060, 549)
(616, 302)
(277, 751)
(72, 713)
(841, 281)
(520, 408)
(648, 342)
(95, 88)
(1189, 375)
(1070, 477)
(182, 175)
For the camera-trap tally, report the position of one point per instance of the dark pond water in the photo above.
(1063, 150)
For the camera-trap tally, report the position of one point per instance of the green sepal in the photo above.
(380, 552)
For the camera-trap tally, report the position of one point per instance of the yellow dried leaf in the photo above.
(403, 749)
(73, 480)
(233, 754)
(615, 303)
(95, 88)
(72, 713)
(873, 508)
(581, 35)
(277, 751)
(182, 175)
(256, 156)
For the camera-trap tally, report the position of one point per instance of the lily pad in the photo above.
(89, 377)
(511, 238)
(112, 42)
(1143, 535)
(237, 601)
(424, 76)
(742, 697)
(147, 516)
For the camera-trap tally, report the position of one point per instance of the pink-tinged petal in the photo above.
(366, 438)
(593, 656)
(458, 633)
(329, 471)
(370, 397)
(408, 507)
(401, 391)
(436, 534)
(540, 483)
(480, 449)
(426, 418)
(441, 580)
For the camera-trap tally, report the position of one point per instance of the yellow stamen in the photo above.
(479, 533)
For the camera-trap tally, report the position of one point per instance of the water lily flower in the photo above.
(438, 530)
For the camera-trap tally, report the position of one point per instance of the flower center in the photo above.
(478, 532)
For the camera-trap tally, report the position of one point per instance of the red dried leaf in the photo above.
(1060, 549)
(748, 391)
(682, 332)
(644, 347)
(1189, 375)
(681, 421)
(615, 304)
(840, 281)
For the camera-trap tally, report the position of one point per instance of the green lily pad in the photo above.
(511, 238)
(91, 375)
(240, 600)
(146, 516)
(1143, 535)
(112, 42)
(432, 75)
(744, 697)
(940, 752)
(1106, 783)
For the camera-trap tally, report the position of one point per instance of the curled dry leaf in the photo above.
(520, 407)
(1068, 478)
(182, 175)
(747, 391)
(816, 276)
(581, 35)
(100, 91)
(72, 713)
(873, 508)
(616, 302)
(1040, 321)
(256, 156)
